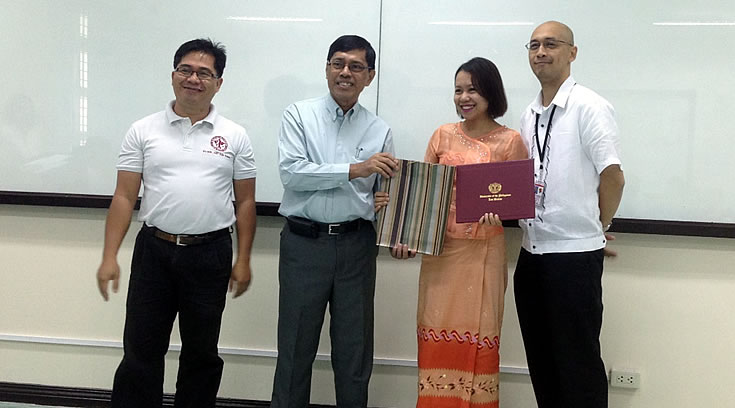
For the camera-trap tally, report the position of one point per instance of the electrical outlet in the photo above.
(625, 378)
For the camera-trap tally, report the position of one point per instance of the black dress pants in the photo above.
(559, 302)
(166, 280)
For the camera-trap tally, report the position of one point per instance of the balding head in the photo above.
(551, 52)
(565, 33)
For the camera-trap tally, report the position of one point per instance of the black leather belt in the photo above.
(186, 239)
(308, 228)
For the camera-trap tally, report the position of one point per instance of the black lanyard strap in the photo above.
(542, 152)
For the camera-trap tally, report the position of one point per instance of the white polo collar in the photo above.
(172, 117)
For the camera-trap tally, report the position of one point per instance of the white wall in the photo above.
(671, 85)
(668, 302)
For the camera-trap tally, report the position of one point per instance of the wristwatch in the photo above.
(607, 227)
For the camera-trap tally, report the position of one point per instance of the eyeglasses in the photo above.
(339, 65)
(549, 44)
(202, 74)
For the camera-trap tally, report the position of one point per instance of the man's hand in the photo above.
(108, 271)
(491, 220)
(382, 163)
(240, 278)
(609, 253)
(381, 200)
(116, 226)
(401, 251)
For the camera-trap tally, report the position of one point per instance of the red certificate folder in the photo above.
(503, 188)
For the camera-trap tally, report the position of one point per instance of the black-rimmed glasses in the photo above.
(339, 65)
(202, 74)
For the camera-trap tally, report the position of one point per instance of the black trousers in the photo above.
(166, 280)
(338, 271)
(559, 302)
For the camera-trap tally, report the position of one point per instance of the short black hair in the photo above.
(207, 46)
(488, 83)
(348, 43)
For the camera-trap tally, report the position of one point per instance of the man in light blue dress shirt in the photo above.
(331, 152)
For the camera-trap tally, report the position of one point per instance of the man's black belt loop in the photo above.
(312, 229)
(185, 239)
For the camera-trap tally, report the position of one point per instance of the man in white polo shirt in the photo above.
(572, 136)
(192, 162)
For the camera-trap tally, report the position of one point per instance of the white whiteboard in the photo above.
(667, 71)
(276, 55)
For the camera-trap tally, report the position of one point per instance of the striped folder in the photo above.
(417, 212)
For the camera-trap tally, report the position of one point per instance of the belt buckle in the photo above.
(178, 241)
(329, 231)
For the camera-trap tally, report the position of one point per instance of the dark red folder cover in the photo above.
(503, 188)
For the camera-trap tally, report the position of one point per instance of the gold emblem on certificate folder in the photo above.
(503, 188)
(494, 188)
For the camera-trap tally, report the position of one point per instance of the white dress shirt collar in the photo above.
(560, 99)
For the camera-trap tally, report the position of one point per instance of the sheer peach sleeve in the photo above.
(431, 155)
(517, 150)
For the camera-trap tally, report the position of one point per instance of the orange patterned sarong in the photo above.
(461, 291)
(459, 317)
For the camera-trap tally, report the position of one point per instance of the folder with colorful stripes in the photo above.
(417, 212)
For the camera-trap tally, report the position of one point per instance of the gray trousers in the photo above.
(334, 270)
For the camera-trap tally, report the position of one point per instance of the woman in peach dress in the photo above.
(461, 291)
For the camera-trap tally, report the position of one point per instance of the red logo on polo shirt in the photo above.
(219, 143)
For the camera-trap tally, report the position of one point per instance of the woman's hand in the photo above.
(491, 220)
(381, 200)
(401, 251)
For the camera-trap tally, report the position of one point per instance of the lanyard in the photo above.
(542, 152)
